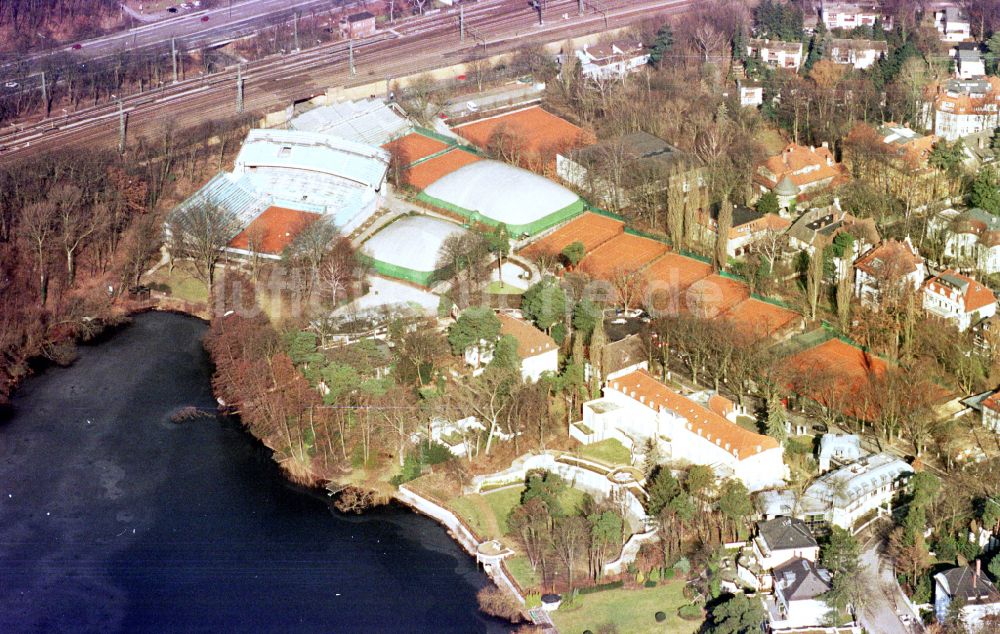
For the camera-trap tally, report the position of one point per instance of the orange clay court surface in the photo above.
(839, 358)
(591, 229)
(426, 172)
(677, 272)
(625, 252)
(540, 129)
(275, 229)
(760, 319)
(713, 295)
(414, 146)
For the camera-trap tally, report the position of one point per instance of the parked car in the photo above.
(10, 84)
(77, 46)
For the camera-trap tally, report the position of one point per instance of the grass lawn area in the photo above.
(749, 423)
(499, 288)
(609, 451)
(182, 284)
(487, 513)
(520, 569)
(472, 513)
(630, 611)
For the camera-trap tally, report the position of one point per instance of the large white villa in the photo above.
(636, 408)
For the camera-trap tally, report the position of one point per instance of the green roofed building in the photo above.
(408, 248)
(492, 193)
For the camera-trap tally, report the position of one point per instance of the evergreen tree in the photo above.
(661, 45)
(985, 192)
(777, 417)
(545, 303)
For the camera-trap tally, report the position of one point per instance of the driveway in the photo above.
(885, 601)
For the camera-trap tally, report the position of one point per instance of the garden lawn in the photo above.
(181, 284)
(487, 513)
(609, 451)
(499, 288)
(631, 611)
(520, 569)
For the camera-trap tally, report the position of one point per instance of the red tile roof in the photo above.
(976, 295)
(729, 436)
(795, 158)
(274, 229)
(891, 250)
(531, 341)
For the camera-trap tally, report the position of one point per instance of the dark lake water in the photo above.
(115, 519)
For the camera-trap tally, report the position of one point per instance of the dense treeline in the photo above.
(77, 229)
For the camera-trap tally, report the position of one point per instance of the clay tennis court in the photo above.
(414, 146)
(667, 278)
(624, 252)
(426, 172)
(760, 319)
(839, 358)
(714, 295)
(537, 128)
(591, 229)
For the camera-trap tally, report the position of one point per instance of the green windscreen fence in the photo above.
(531, 228)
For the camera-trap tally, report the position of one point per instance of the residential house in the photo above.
(844, 496)
(641, 155)
(971, 239)
(622, 357)
(799, 586)
(751, 93)
(701, 429)
(978, 149)
(456, 436)
(849, 15)
(613, 60)
(958, 298)
(991, 412)
(358, 25)
(782, 539)
(838, 450)
(952, 22)
(888, 270)
(964, 107)
(538, 351)
(910, 175)
(778, 540)
(749, 226)
(807, 168)
(978, 595)
(969, 62)
(825, 224)
(777, 53)
(857, 53)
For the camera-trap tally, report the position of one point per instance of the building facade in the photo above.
(964, 107)
(777, 53)
(859, 54)
(637, 408)
(958, 299)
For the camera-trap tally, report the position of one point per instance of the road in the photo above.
(189, 28)
(885, 602)
(274, 83)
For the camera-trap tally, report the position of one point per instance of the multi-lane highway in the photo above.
(415, 46)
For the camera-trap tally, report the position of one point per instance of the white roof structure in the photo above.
(366, 121)
(365, 165)
(412, 242)
(501, 192)
(229, 193)
(843, 448)
(840, 488)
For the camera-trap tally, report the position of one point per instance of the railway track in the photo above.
(414, 46)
